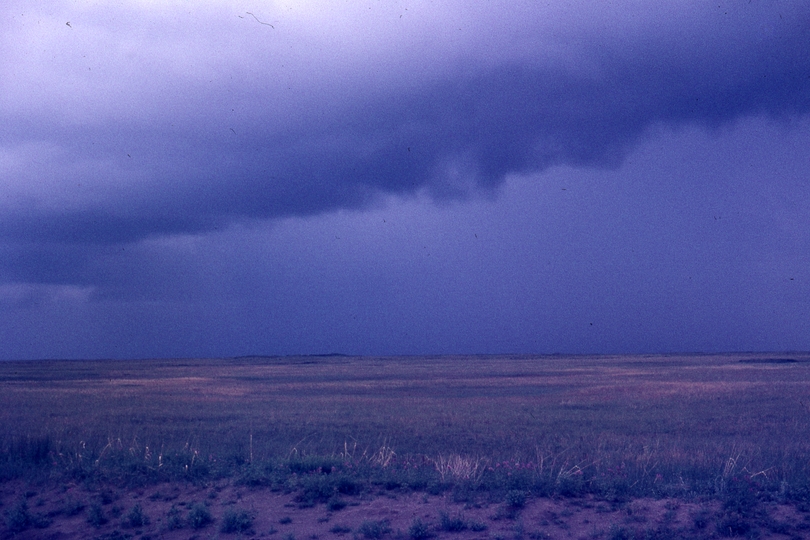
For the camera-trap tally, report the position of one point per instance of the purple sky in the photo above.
(378, 177)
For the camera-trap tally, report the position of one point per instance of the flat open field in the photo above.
(702, 445)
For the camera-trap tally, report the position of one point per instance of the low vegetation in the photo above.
(236, 521)
(733, 429)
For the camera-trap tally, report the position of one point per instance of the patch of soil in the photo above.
(73, 511)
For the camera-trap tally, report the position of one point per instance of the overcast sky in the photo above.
(403, 177)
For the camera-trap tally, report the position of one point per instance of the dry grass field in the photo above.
(542, 447)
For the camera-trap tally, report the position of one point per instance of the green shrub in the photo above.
(258, 476)
(18, 519)
(313, 464)
(454, 524)
(620, 533)
(340, 529)
(374, 530)
(348, 486)
(516, 499)
(740, 497)
(733, 525)
(199, 516)
(571, 487)
(236, 522)
(316, 488)
(116, 511)
(72, 506)
(136, 517)
(701, 518)
(32, 450)
(174, 519)
(335, 503)
(419, 530)
(95, 515)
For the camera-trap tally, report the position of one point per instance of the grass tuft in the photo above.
(174, 519)
(340, 529)
(516, 499)
(419, 530)
(96, 516)
(136, 517)
(236, 521)
(335, 504)
(452, 524)
(374, 530)
(199, 516)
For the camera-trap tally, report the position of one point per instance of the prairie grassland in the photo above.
(651, 426)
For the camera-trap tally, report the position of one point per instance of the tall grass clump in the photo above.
(374, 530)
(419, 530)
(136, 517)
(452, 524)
(20, 518)
(199, 516)
(236, 521)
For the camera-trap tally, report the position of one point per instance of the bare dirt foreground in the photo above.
(175, 511)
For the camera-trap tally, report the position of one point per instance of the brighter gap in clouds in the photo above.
(19, 294)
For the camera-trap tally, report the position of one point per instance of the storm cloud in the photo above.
(130, 125)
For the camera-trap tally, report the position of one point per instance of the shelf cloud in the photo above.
(139, 121)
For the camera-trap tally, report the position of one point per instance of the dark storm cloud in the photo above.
(188, 166)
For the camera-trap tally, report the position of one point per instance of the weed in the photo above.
(199, 516)
(18, 519)
(740, 496)
(701, 518)
(733, 525)
(383, 456)
(661, 533)
(236, 521)
(518, 530)
(115, 535)
(136, 517)
(340, 529)
(374, 530)
(72, 507)
(419, 530)
(335, 503)
(313, 464)
(620, 533)
(516, 499)
(257, 475)
(106, 497)
(477, 526)
(285, 520)
(116, 511)
(459, 468)
(95, 515)
(452, 524)
(174, 519)
(776, 526)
